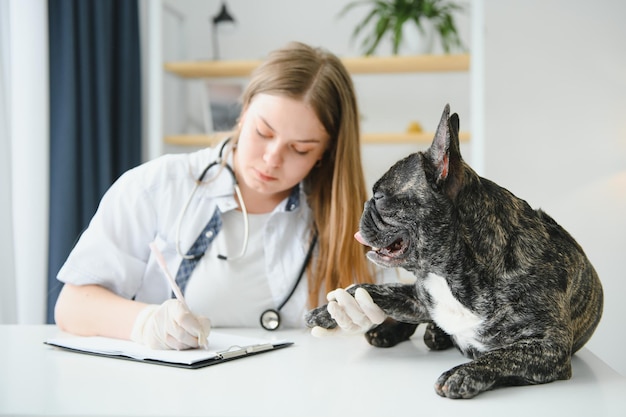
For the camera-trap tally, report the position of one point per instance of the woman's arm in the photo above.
(92, 310)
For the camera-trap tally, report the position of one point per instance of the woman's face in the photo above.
(280, 141)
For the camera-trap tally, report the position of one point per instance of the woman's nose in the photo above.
(273, 154)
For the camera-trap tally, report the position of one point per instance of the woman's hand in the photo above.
(170, 326)
(353, 314)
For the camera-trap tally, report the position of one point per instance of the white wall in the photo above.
(25, 71)
(8, 308)
(555, 100)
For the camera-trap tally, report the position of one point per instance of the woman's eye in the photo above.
(264, 135)
(300, 151)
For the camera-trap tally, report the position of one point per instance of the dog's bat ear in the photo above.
(440, 148)
(445, 155)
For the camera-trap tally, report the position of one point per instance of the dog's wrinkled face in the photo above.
(408, 217)
(393, 218)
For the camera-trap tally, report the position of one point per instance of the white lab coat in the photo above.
(144, 205)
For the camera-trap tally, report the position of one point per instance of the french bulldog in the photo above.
(500, 281)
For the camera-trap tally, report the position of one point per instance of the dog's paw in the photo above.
(463, 382)
(320, 317)
(389, 333)
(436, 339)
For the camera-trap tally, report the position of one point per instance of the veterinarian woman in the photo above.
(234, 251)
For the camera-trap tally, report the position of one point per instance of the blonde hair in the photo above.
(335, 188)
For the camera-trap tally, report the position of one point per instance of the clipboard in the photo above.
(224, 347)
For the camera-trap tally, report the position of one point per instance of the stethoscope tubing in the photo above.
(301, 273)
(270, 319)
(246, 225)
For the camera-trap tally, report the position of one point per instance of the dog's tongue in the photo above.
(359, 238)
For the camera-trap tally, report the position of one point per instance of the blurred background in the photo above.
(543, 102)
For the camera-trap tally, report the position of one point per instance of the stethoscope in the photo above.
(219, 161)
(270, 319)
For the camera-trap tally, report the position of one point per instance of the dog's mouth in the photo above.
(388, 254)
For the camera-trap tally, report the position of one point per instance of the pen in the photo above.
(161, 261)
(202, 339)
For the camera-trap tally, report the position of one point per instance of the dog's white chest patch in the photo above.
(452, 316)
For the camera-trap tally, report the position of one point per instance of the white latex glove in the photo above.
(353, 314)
(170, 326)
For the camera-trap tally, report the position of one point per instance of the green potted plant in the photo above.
(390, 16)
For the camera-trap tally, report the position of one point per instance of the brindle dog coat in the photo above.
(502, 282)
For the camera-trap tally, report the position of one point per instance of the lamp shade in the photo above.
(223, 16)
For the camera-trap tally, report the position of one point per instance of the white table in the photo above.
(337, 376)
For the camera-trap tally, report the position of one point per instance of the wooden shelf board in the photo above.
(355, 65)
(195, 140)
(423, 137)
(376, 138)
(407, 64)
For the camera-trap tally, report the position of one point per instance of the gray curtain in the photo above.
(95, 114)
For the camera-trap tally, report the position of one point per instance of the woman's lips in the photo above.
(265, 177)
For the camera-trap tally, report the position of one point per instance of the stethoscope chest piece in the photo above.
(270, 319)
